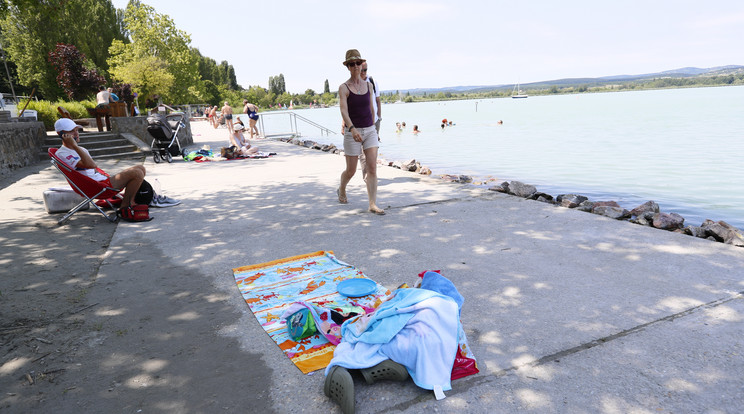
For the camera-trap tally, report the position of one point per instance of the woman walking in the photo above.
(357, 111)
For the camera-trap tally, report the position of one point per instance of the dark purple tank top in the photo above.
(360, 110)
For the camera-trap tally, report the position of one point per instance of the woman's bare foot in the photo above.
(377, 210)
(341, 198)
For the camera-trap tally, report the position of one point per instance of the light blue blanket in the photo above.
(417, 328)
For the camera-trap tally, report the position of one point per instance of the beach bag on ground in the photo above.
(145, 194)
(140, 212)
(300, 325)
(229, 153)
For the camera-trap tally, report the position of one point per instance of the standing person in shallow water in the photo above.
(357, 110)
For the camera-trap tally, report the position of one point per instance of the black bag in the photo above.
(145, 194)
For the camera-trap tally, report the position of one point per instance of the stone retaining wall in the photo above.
(137, 126)
(20, 144)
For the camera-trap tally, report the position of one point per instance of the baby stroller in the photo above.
(165, 130)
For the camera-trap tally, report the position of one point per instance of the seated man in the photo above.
(78, 157)
(103, 97)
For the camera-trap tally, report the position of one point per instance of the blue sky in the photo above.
(432, 43)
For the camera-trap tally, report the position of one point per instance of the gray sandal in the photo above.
(339, 386)
(385, 370)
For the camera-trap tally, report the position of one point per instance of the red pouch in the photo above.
(140, 212)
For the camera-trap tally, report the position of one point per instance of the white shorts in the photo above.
(369, 140)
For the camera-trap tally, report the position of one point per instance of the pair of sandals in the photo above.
(344, 200)
(339, 386)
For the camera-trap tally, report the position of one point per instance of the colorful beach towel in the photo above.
(270, 288)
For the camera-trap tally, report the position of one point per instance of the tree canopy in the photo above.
(135, 48)
(31, 30)
(74, 77)
(158, 60)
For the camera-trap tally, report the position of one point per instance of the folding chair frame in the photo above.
(101, 191)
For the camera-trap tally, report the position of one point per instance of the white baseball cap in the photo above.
(65, 124)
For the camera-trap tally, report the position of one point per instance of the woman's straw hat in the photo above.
(353, 54)
(237, 127)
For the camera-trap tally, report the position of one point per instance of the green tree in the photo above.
(149, 76)
(155, 39)
(212, 93)
(222, 73)
(326, 87)
(32, 28)
(276, 84)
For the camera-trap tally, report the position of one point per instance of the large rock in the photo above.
(641, 220)
(521, 189)
(645, 207)
(724, 232)
(409, 165)
(615, 212)
(585, 205)
(696, 231)
(668, 221)
(500, 187)
(606, 204)
(544, 197)
(570, 200)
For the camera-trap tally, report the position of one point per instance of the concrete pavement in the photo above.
(565, 311)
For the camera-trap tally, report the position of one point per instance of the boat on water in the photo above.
(517, 92)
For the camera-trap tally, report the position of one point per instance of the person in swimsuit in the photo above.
(357, 110)
(252, 111)
(227, 112)
(213, 116)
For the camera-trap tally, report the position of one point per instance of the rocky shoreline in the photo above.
(646, 214)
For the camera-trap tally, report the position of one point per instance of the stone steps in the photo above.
(100, 145)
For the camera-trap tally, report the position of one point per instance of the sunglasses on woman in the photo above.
(354, 63)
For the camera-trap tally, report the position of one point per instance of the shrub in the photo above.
(75, 78)
(48, 114)
(77, 109)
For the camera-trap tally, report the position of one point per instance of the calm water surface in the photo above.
(682, 148)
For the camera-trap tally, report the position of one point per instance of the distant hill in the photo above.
(675, 73)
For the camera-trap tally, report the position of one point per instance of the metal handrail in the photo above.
(293, 124)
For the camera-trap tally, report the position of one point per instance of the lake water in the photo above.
(682, 148)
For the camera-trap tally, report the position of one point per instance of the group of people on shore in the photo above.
(235, 125)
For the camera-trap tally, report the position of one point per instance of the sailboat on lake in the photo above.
(517, 92)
